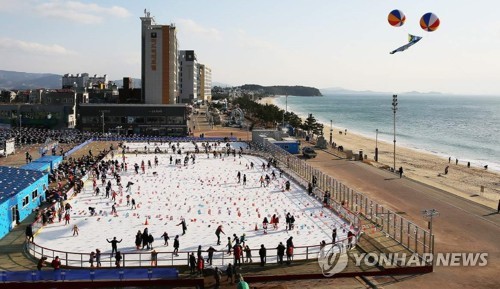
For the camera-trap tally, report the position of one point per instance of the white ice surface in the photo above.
(206, 194)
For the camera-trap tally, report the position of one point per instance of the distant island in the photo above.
(283, 90)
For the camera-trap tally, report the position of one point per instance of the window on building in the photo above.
(34, 194)
(26, 200)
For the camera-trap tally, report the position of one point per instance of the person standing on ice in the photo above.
(229, 245)
(114, 247)
(334, 235)
(133, 204)
(264, 225)
(166, 238)
(236, 240)
(145, 238)
(184, 226)
(244, 179)
(217, 233)
(273, 221)
(138, 239)
(239, 176)
(113, 209)
(176, 245)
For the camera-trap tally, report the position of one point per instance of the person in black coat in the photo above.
(176, 245)
(192, 263)
(29, 233)
(114, 247)
(184, 226)
(281, 252)
(145, 239)
(151, 239)
(138, 239)
(262, 254)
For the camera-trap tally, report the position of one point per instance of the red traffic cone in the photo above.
(256, 229)
(146, 223)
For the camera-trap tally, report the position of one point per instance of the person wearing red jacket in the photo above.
(56, 263)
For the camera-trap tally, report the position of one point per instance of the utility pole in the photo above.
(102, 115)
(394, 109)
(331, 132)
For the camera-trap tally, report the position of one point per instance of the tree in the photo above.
(293, 119)
(311, 125)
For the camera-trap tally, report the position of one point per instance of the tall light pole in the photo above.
(331, 132)
(376, 145)
(102, 116)
(394, 109)
(286, 109)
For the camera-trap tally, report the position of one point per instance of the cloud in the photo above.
(190, 27)
(33, 47)
(86, 13)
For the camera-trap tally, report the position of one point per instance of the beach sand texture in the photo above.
(423, 167)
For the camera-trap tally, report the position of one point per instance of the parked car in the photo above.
(309, 152)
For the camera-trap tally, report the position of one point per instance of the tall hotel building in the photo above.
(159, 60)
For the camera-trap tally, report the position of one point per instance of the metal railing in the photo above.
(353, 206)
(143, 259)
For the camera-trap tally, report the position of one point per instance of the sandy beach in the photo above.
(423, 167)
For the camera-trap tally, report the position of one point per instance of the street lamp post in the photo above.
(331, 132)
(286, 109)
(376, 145)
(102, 116)
(394, 109)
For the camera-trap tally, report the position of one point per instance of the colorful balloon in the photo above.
(396, 18)
(429, 22)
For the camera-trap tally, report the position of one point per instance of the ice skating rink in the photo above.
(206, 194)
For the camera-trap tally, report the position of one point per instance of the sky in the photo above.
(319, 43)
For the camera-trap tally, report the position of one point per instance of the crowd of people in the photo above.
(73, 169)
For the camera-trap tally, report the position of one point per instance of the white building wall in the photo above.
(188, 78)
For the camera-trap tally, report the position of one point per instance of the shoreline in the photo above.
(422, 166)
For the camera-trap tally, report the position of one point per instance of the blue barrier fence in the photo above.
(164, 139)
(73, 150)
(90, 274)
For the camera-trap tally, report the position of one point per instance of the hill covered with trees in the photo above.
(283, 90)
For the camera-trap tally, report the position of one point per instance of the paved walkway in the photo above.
(463, 226)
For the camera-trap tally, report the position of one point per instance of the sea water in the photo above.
(463, 127)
